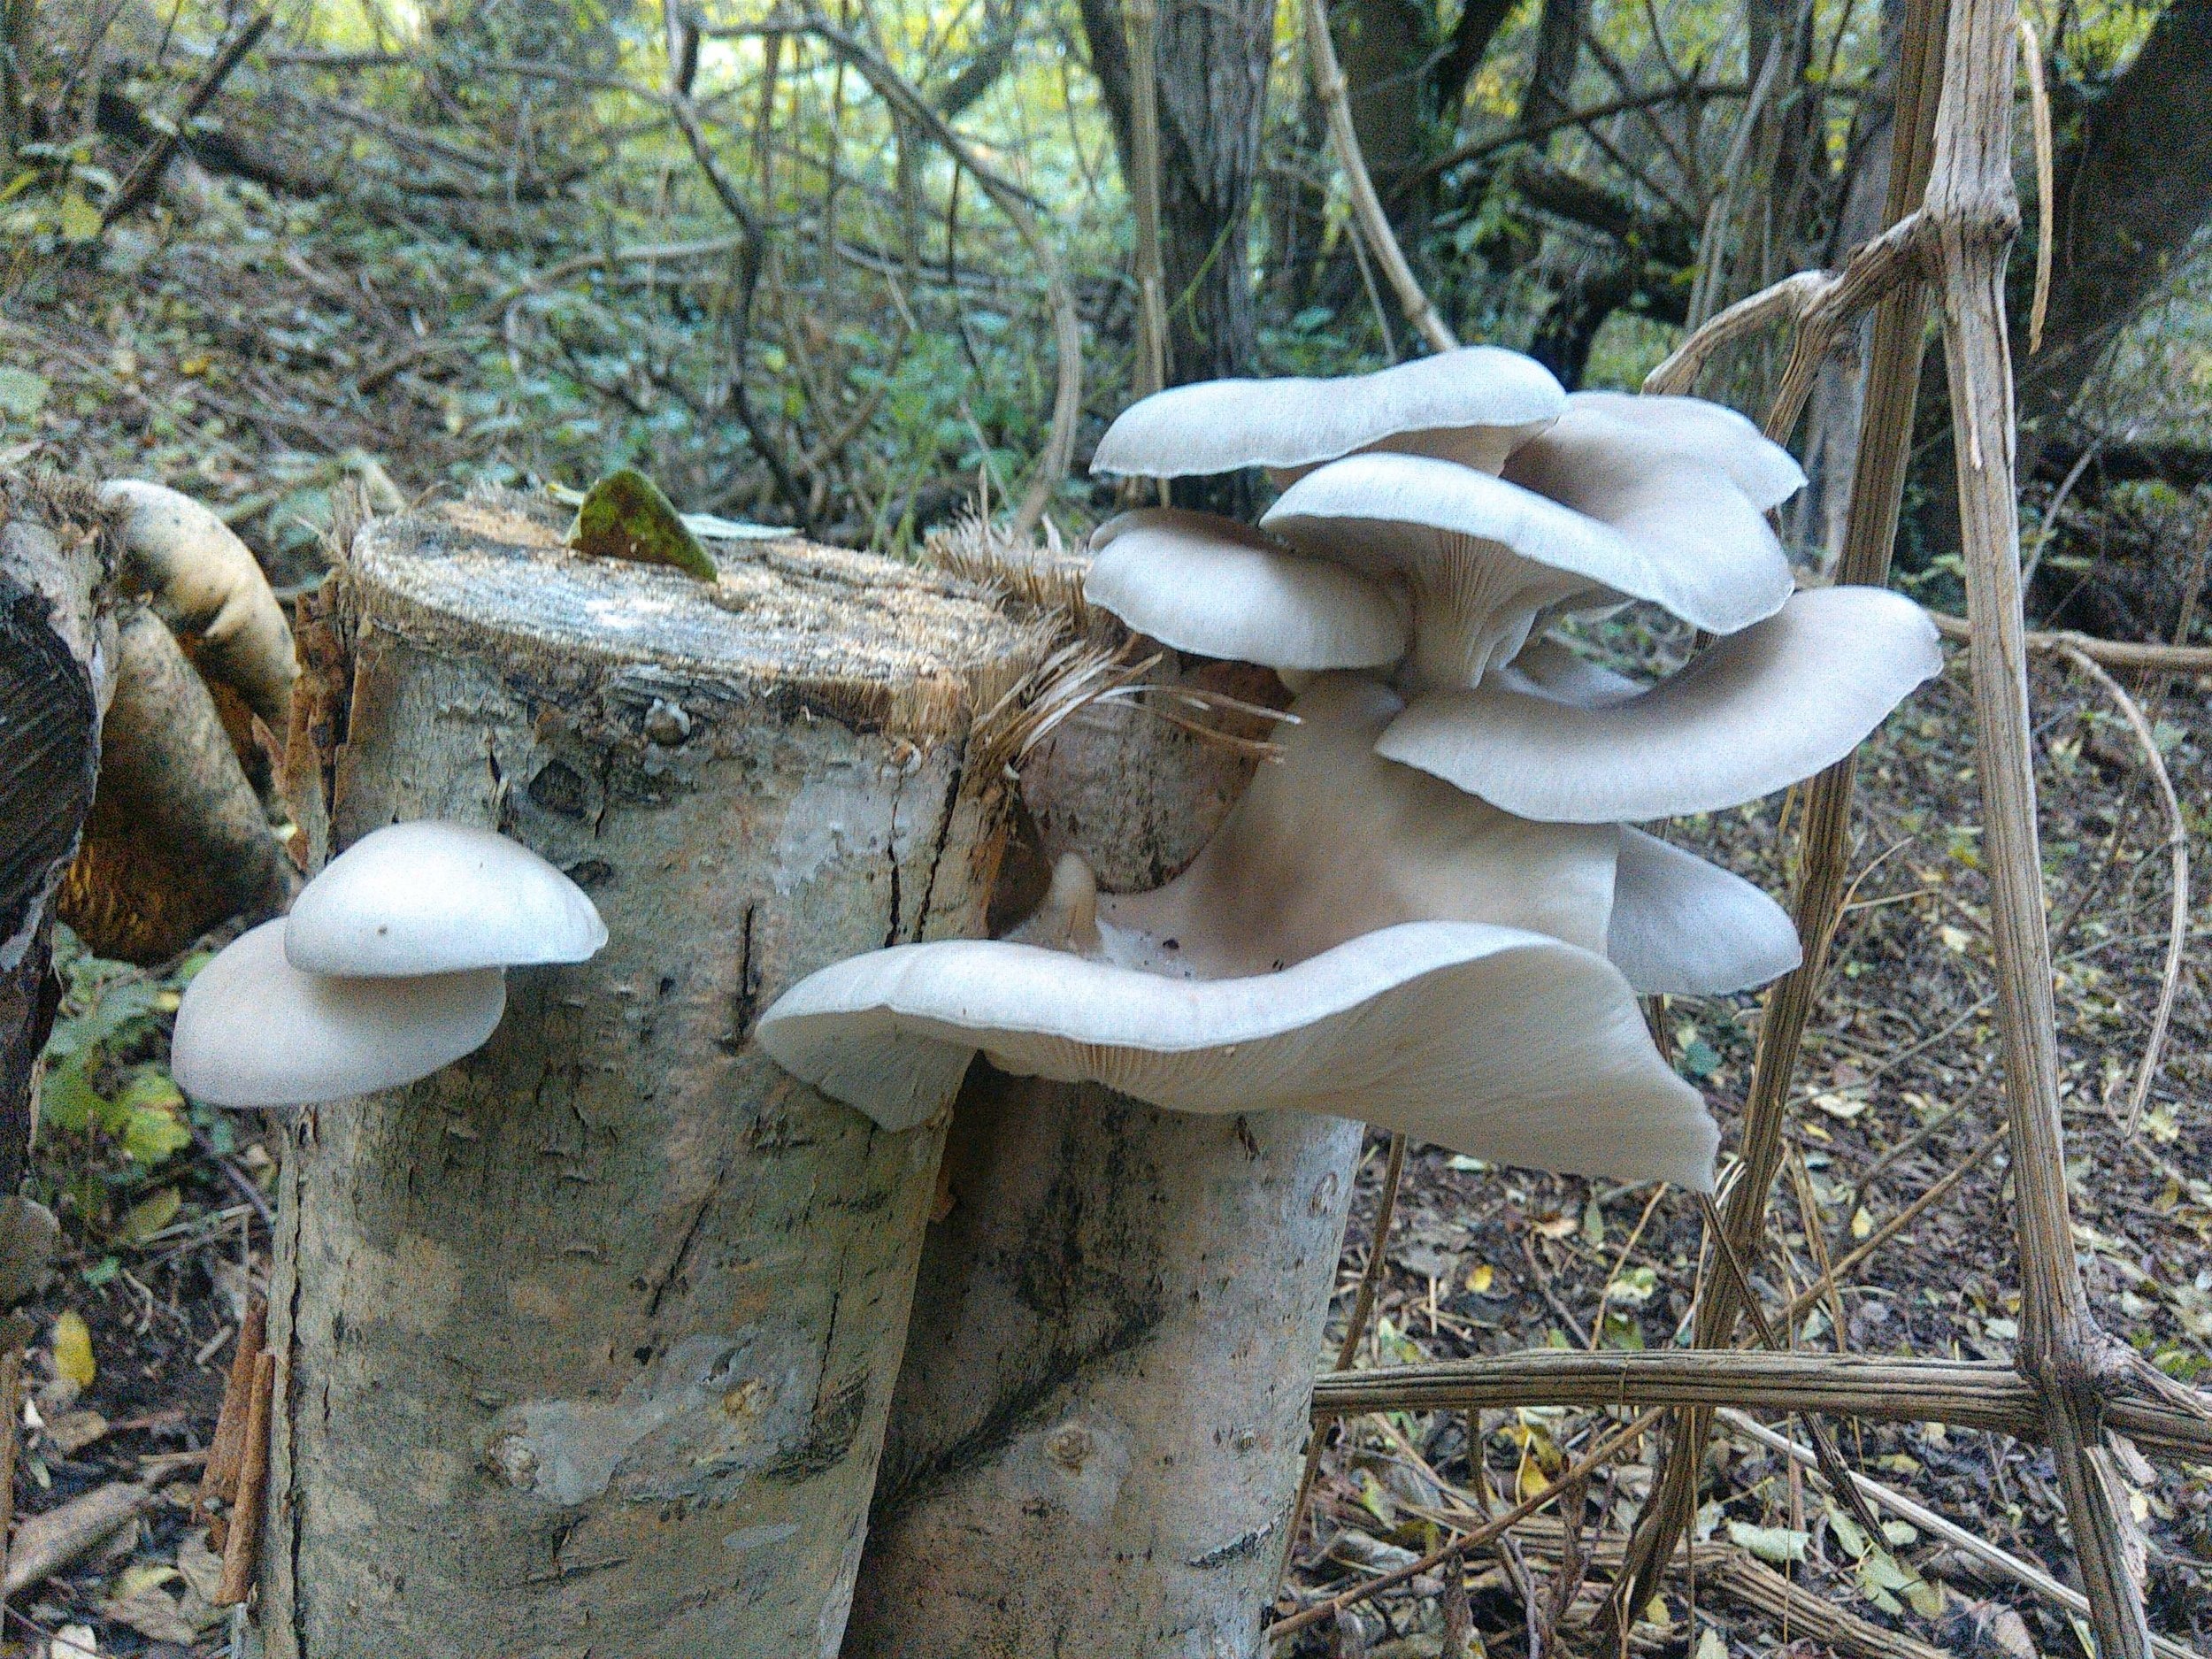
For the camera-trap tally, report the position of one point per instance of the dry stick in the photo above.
(1877, 493)
(11, 1432)
(1971, 205)
(2045, 168)
(1830, 1459)
(1144, 187)
(218, 1480)
(2177, 840)
(143, 177)
(253, 1475)
(1934, 1525)
(1374, 224)
(1709, 249)
(1609, 1448)
(896, 91)
(1355, 1328)
(2171, 659)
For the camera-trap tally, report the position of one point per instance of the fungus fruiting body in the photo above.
(1433, 913)
(391, 965)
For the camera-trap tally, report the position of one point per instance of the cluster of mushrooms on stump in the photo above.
(593, 1287)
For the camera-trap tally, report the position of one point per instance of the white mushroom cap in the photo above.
(204, 580)
(1472, 405)
(432, 897)
(1211, 586)
(1684, 927)
(1753, 714)
(1336, 842)
(1681, 428)
(254, 1030)
(1499, 1043)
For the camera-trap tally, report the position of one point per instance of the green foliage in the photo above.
(624, 516)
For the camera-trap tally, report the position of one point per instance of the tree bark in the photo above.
(177, 839)
(1213, 62)
(1098, 1429)
(56, 664)
(585, 1343)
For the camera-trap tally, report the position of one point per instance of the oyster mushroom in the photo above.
(391, 965)
(435, 897)
(1357, 939)
(1473, 405)
(254, 1030)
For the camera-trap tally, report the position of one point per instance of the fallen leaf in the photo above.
(1844, 1106)
(73, 1349)
(73, 1431)
(1478, 1277)
(624, 516)
(75, 1641)
(22, 394)
(1778, 1545)
(1711, 1644)
(1557, 1226)
(150, 1215)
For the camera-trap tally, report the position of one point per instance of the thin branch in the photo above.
(2178, 840)
(143, 177)
(1011, 200)
(1477, 149)
(2172, 659)
(1374, 224)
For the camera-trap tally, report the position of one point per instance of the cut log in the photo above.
(56, 653)
(586, 1344)
(177, 841)
(1096, 1438)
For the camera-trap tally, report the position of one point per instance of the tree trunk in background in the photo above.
(2134, 188)
(1213, 58)
(1100, 1424)
(1559, 26)
(1386, 49)
(57, 660)
(585, 1344)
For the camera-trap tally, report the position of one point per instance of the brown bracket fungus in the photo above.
(434, 897)
(254, 1030)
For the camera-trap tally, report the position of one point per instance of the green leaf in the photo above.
(22, 394)
(80, 220)
(152, 1133)
(150, 1215)
(67, 1102)
(624, 516)
(1778, 1544)
(1848, 1533)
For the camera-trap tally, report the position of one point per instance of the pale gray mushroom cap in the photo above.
(434, 897)
(1689, 429)
(1473, 405)
(1502, 1044)
(1754, 713)
(252, 1030)
(1209, 585)
(1684, 927)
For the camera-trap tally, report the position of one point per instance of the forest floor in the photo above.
(232, 367)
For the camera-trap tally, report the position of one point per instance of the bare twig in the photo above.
(2178, 842)
(1374, 224)
(2172, 659)
(147, 173)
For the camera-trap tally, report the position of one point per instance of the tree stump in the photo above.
(57, 670)
(585, 1345)
(1099, 1429)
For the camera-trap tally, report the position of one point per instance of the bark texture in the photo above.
(57, 657)
(587, 1342)
(1098, 1429)
(177, 841)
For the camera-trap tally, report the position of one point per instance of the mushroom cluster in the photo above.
(1435, 913)
(391, 965)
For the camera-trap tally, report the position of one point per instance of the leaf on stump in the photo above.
(626, 517)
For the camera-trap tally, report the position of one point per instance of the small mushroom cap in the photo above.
(433, 897)
(1472, 405)
(1335, 842)
(254, 1030)
(1684, 927)
(1213, 586)
(203, 580)
(1488, 1041)
(1753, 714)
(1681, 428)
